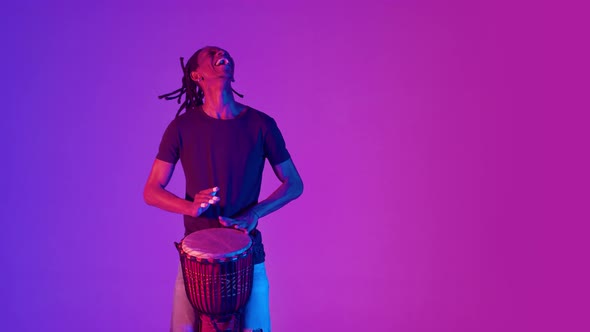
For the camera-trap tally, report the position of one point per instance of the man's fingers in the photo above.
(228, 222)
(242, 228)
(202, 208)
(213, 199)
(224, 222)
(239, 225)
(211, 191)
(207, 198)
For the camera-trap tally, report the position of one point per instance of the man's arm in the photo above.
(155, 193)
(291, 187)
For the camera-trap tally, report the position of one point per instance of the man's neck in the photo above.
(219, 102)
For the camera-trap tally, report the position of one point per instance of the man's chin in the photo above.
(229, 78)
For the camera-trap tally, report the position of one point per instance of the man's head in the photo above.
(210, 63)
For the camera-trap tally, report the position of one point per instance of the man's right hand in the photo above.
(203, 199)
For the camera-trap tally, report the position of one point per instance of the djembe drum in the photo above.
(217, 268)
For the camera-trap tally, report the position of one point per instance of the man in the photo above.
(222, 146)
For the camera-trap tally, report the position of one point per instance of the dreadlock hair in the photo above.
(194, 93)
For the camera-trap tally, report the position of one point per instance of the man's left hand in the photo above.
(245, 222)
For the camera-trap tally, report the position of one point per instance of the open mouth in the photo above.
(222, 62)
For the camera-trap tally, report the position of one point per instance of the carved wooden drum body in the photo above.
(217, 268)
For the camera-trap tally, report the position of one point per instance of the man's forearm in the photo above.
(285, 193)
(165, 200)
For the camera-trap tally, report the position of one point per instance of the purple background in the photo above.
(443, 147)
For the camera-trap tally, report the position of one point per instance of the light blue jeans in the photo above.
(256, 313)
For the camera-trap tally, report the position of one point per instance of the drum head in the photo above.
(216, 243)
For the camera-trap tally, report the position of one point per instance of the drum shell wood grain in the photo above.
(218, 273)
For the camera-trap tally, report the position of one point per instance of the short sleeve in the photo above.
(274, 144)
(169, 150)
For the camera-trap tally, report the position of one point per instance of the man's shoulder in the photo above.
(261, 115)
(188, 117)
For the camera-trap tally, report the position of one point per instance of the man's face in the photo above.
(215, 62)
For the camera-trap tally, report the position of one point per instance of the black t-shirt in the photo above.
(229, 154)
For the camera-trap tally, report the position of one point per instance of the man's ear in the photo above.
(195, 76)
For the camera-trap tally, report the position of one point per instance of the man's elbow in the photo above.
(148, 195)
(296, 188)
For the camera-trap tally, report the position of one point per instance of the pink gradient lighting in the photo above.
(443, 147)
